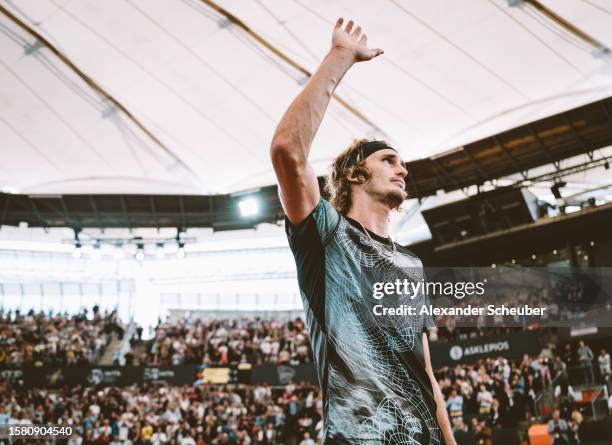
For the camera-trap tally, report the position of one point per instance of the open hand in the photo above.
(353, 41)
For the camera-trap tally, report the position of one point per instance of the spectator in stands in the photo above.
(462, 434)
(482, 432)
(307, 440)
(585, 359)
(604, 365)
(558, 429)
(564, 394)
(41, 339)
(559, 367)
(454, 404)
(227, 342)
(484, 398)
(575, 424)
(569, 358)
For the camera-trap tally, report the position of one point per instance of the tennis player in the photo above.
(375, 372)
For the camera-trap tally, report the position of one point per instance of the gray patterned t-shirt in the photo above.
(370, 368)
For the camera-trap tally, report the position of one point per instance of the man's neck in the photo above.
(374, 215)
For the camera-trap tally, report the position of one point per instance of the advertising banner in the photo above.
(282, 374)
(107, 375)
(511, 347)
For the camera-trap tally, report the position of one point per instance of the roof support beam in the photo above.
(445, 172)
(125, 212)
(67, 217)
(95, 86)
(568, 26)
(7, 197)
(412, 181)
(509, 156)
(153, 211)
(92, 202)
(543, 146)
(567, 120)
(43, 221)
(482, 174)
(285, 58)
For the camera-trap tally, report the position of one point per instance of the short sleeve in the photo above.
(322, 223)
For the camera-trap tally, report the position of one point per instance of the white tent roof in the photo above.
(452, 72)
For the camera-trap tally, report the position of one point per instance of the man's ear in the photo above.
(358, 175)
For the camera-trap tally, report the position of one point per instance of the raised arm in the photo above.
(299, 191)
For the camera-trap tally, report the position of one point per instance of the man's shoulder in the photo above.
(321, 223)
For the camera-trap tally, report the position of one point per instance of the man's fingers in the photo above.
(364, 40)
(349, 26)
(339, 23)
(357, 32)
(377, 52)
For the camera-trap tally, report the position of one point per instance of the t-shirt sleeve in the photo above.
(307, 241)
(322, 223)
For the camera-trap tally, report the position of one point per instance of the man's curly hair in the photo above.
(338, 185)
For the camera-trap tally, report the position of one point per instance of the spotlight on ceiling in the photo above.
(249, 207)
(76, 253)
(555, 189)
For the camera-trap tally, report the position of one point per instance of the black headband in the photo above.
(365, 150)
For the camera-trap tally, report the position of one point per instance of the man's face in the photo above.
(387, 181)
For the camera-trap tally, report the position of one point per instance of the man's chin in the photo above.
(395, 198)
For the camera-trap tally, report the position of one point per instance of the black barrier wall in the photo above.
(282, 374)
(106, 375)
(511, 346)
(53, 377)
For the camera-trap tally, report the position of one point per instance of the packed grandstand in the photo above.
(485, 399)
(157, 285)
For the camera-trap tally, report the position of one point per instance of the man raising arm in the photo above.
(375, 374)
(299, 190)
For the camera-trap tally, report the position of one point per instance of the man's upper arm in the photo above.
(298, 186)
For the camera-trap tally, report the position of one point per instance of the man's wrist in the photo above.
(346, 56)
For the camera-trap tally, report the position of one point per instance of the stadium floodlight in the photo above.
(76, 253)
(556, 187)
(249, 207)
(140, 255)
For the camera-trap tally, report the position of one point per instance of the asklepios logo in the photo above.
(456, 352)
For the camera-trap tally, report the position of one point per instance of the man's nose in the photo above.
(403, 170)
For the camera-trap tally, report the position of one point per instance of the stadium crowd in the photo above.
(223, 342)
(39, 339)
(480, 398)
(490, 394)
(498, 393)
(160, 414)
(562, 302)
